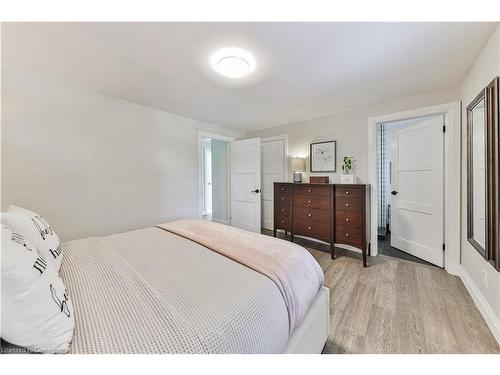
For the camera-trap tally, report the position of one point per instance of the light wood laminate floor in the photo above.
(398, 306)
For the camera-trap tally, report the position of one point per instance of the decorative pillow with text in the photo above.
(36, 310)
(36, 229)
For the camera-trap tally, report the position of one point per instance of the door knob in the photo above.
(394, 192)
(256, 191)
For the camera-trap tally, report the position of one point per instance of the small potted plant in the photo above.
(347, 177)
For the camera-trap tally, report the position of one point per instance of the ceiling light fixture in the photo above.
(233, 62)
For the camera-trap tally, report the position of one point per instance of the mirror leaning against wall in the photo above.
(483, 164)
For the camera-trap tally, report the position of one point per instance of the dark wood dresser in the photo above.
(333, 213)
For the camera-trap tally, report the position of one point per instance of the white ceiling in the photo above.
(303, 70)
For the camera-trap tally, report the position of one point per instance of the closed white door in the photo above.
(417, 200)
(272, 154)
(245, 184)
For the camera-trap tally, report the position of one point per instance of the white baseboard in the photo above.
(484, 308)
(220, 221)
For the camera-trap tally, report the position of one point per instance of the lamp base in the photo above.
(297, 176)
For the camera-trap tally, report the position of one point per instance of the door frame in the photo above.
(286, 176)
(202, 134)
(452, 159)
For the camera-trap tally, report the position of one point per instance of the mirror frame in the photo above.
(491, 97)
(493, 174)
(470, 185)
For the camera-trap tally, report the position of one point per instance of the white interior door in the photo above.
(417, 200)
(272, 154)
(245, 184)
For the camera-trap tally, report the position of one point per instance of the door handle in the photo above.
(256, 191)
(394, 192)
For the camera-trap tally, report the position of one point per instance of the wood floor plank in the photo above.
(397, 306)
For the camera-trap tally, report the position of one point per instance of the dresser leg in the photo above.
(364, 254)
(291, 236)
(332, 250)
(274, 233)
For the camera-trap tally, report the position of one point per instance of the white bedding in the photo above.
(294, 271)
(151, 291)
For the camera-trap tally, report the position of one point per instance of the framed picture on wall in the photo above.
(323, 156)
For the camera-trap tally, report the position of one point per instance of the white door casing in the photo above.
(272, 170)
(245, 184)
(417, 210)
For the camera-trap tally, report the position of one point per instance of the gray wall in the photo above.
(93, 164)
(350, 129)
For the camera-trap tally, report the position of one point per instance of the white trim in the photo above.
(452, 150)
(484, 308)
(201, 135)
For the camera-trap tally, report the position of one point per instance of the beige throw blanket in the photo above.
(294, 271)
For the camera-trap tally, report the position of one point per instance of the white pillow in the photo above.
(36, 311)
(34, 227)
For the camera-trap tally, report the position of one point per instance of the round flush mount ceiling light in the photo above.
(233, 62)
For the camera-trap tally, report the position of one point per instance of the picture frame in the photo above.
(323, 157)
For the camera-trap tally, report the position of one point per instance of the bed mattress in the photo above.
(151, 291)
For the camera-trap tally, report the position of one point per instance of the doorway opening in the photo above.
(207, 178)
(410, 179)
(214, 158)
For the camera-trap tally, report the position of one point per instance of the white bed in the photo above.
(151, 291)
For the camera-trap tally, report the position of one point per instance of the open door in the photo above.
(245, 184)
(417, 200)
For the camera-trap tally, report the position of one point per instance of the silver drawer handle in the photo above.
(347, 220)
(282, 210)
(282, 222)
(282, 189)
(308, 228)
(347, 204)
(347, 234)
(282, 198)
(309, 215)
(308, 202)
(347, 192)
(308, 190)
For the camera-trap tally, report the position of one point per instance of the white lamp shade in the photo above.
(298, 164)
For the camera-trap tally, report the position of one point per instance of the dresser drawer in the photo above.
(348, 219)
(320, 202)
(282, 199)
(347, 235)
(306, 228)
(282, 223)
(312, 215)
(282, 210)
(344, 204)
(341, 191)
(323, 191)
(281, 188)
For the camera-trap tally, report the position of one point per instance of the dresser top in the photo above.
(318, 184)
